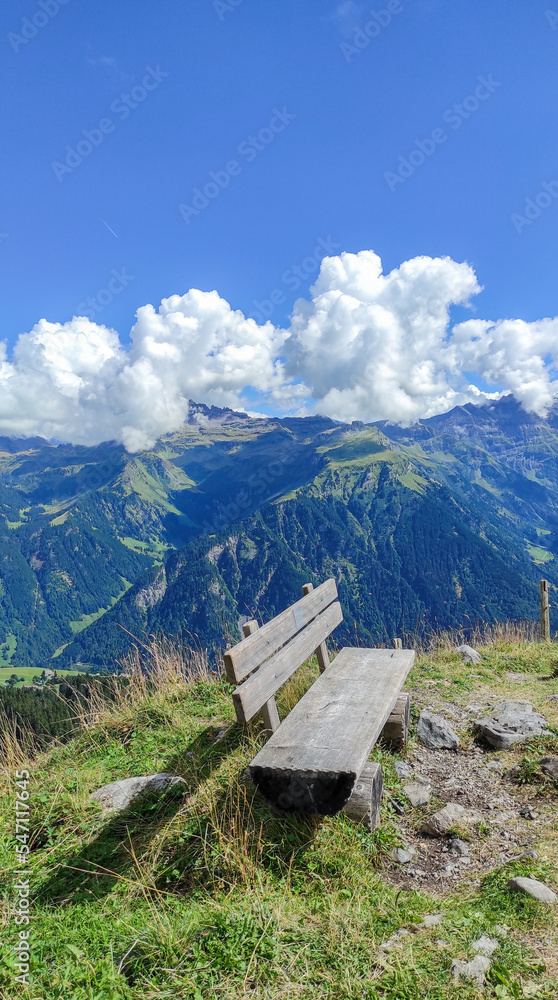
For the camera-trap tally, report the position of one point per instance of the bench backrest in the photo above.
(269, 655)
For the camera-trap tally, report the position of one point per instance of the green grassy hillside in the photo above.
(210, 894)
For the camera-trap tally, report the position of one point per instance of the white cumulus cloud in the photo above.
(366, 346)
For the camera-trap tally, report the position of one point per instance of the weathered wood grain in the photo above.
(248, 654)
(262, 685)
(322, 653)
(396, 728)
(366, 797)
(314, 759)
(269, 712)
(545, 612)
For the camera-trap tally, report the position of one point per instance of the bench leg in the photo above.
(364, 803)
(396, 728)
(269, 711)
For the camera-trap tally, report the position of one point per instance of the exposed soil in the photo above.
(515, 818)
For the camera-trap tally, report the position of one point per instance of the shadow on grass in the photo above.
(218, 841)
(93, 870)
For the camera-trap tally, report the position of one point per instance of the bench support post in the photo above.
(364, 803)
(269, 712)
(321, 652)
(396, 728)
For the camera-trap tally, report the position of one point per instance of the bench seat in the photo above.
(311, 763)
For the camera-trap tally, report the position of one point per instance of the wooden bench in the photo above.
(316, 760)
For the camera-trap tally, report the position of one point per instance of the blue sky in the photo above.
(219, 73)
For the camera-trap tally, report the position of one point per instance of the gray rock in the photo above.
(395, 940)
(121, 794)
(532, 887)
(417, 793)
(460, 847)
(469, 654)
(451, 815)
(485, 945)
(475, 970)
(435, 732)
(396, 806)
(511, 722)
(432, 919)
(402, 769)
(549, 765)
(402, 855)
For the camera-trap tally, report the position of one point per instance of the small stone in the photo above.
(511, 722)
(435, 732)
(469, 654)
(532, 887)
(494, 765)
(402, 855)
(122, 794)
(549, 766)
(475, 970)
(460, 847)
(529, 854)
(440, 943)
(512, 773)
(528, 812)
(432, 919)
(402, 769)
(449, 867)
(395, 805)
(451, 815)
(485, 945)
(417, 793)
(394, 940)
(501, 930)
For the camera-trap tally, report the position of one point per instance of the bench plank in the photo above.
(261, 686)
(314, 759)
(248, 654)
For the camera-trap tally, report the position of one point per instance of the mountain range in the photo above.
(439, 524)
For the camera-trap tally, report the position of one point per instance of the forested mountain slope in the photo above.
(442, 523)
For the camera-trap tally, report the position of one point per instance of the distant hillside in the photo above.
(442, 523)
